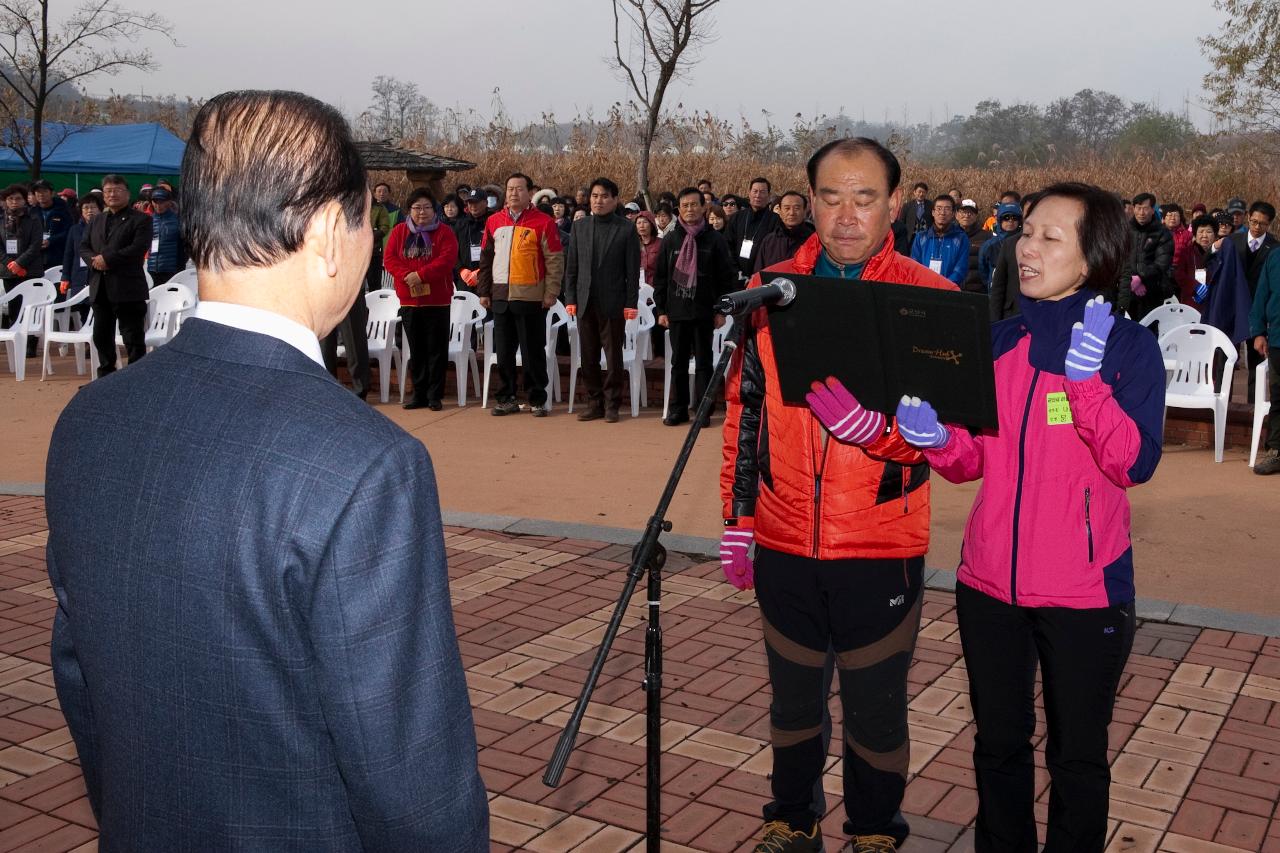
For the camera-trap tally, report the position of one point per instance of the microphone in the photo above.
(781, 291)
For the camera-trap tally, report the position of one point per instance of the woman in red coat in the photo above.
(420, 256)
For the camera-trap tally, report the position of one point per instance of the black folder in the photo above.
(885, 340)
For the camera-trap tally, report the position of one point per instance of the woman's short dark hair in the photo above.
(258, 167)
(858, 145)
(1103, 230)
(1203, 222)
(717, 210)
(605, 184)
(94, 199)
(418, 195)
(14, 189)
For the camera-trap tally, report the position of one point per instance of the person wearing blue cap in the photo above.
(997, 265)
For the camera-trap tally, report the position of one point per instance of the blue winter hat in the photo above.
(1008, 209)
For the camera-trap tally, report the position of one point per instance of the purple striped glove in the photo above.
(842, 415)
(918, 424)
(734, 562)
(1089, 340)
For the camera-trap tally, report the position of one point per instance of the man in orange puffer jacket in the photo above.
(837, 504)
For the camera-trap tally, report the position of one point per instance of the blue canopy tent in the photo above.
(78, 156)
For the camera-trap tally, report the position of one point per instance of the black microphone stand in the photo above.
(648, 557)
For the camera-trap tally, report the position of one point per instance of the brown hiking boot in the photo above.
(1269, 463)
(779, 837)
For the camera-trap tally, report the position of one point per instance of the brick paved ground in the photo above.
(1196, 741)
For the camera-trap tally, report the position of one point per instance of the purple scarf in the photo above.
(418, 245)
(686, 274)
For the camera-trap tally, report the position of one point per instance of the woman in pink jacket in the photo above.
(1046, 568)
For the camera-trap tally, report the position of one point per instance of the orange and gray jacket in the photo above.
(520, 260)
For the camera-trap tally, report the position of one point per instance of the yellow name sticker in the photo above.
(1059, 408)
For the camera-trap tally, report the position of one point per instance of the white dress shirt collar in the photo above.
(262, 322)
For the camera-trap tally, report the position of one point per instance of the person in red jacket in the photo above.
(420, 256)
(837, 505)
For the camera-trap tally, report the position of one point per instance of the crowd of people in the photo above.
(589, 250)
(310, 614)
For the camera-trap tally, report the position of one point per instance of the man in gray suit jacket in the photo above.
(601, 289)
(253, 645)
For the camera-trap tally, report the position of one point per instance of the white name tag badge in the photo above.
(1202, 276)
(11, 247)
(475, 254)
(936, 265)
(46, 236)
(155, 245)
(82, 263)
(745, 251)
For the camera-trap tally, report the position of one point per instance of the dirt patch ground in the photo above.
(1203, 533)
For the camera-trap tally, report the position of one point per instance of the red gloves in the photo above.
(16, 270)
(571, 310)
(630, 313)
(63, 287)
(734, 562)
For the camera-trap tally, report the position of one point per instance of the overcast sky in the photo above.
(784, 56)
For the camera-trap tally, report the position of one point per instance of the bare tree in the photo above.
(36, 62)
(398, 110)
(664, 39)
(1244, 84)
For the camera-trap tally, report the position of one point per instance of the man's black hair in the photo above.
(1103, 230)
(1013, 194)
(664, 207)
(947, 198)
(764, 181)
(1264, 207)
(1143, 198)
(258, 167)
(689, 191)
(804, 198)
(382, 184)
(857, 145)
(605, 184)
(528, 181)
(919, 185)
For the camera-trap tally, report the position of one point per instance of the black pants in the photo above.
(426, 328)
(595, 330)
(355, 337)
(522, 324)
(132, 317)
(15, 305)
(868, 612)
(690, 338)
(373, 275)
(1273, 394)
(1081, 654)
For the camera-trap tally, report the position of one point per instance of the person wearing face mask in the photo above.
(420, 255)
(1046, 568)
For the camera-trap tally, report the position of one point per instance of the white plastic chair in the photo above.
(54, 273)
(717, 346)
(1172, 300)
(633, 363)
(388, 282)
(187, 277)
(74, 339)
(557, 316)
(1192, 347)
(1261, 407)
(646, 301)
(164, 313)
(464, 313)
(1170, 316)
(37, 295)
(63, 317)
(384, 313)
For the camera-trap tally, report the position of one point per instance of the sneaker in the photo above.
(509, 407)
(539, 411)
(779, 837)
(872, 844)
(1268, 464)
